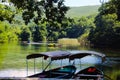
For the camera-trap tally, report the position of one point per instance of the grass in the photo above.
(68, 42)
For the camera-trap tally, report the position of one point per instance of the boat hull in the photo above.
(89, 73)
(64, 72)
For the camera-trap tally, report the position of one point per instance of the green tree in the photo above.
(7, 32)
(53, 10)
(6, 13)
(25, 34)
(80, 26)
(49, 12)
(39, 33)
(107, 29)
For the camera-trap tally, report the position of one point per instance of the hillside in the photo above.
(82, 11)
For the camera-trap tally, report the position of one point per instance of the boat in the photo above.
(91, 72)
(62, 72)
(69, 71)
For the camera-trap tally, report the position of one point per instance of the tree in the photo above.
(107, 21)
(53, 10)
(25, 34)
(80, 26)
(7, 32)
(49, 12)
(6, 13)
(39, 33)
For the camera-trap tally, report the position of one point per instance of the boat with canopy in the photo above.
(91, 72)
(64, 72)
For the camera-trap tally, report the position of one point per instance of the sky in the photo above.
(82, 2)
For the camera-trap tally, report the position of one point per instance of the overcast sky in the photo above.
(82, 2)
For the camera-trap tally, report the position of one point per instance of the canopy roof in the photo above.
(81, 54)
(54, 55)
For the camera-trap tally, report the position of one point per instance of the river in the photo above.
(13, 59)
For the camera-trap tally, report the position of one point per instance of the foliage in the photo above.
(107, 28)
(46, 21)
(25, 34)
(80, 26)
(6, 13)
(7, 33)
(39, 34)
(53, 10)
(49, 12)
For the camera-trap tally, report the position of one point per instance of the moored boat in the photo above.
(90, 73)
(68, 71)
(64, 72)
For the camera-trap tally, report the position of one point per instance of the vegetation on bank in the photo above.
(68, 42)
(47, 21)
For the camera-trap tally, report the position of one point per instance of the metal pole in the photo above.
(50, 67)
(42, 64)
(80, 63)
(27, 66)
(61, 62)
(47, 66)
(34, 66)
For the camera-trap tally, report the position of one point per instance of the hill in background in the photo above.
(82, 11)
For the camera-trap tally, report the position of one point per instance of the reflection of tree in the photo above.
(114, 72)
(39, 47)
(3, 52)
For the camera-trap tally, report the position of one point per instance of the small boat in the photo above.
(91, 73)
(63, 72)
(66, 72)
(51, 45)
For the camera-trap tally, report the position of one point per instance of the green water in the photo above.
(13, 56)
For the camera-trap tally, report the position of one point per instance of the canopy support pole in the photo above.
(42, 64)
(47, 66)
(34, 67)
(27, 66)
(61, 62)
(80, 63)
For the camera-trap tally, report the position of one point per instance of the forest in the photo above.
(45, 20)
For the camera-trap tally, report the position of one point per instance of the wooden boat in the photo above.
(91, 73)
(64, 72)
